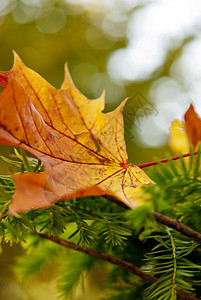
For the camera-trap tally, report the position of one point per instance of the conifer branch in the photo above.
(172, 223)
(152, 163)
(177, 225)
(100, 255)
(113, 260)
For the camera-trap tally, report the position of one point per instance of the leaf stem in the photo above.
(152, 163)
(111, 259)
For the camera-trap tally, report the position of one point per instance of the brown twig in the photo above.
(100, 255)
(172, 223)
(113, 260)
(177, 225)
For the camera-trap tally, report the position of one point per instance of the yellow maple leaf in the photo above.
(82, 149)
(178, 141)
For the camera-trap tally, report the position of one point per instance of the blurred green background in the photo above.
(146, 50)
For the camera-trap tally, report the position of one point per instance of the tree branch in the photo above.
(113, 260)
(100, 255)
(172, 223)
(177, 225)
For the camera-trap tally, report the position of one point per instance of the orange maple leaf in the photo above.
(185, 134)
(192, 126)
(82, 149)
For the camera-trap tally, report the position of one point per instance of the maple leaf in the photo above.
(82, 149)
(192, 126)
(185, 134)
(178, 141)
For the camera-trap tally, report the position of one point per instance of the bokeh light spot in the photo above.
(6, 6)
(52, 22)
(96, 39)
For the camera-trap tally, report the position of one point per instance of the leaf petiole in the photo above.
(152, 163)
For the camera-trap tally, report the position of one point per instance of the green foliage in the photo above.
(91, 223)
(39, 254)
(168, 261)
(72, 271)
(98, 223)
(112, 230)
(128, 293)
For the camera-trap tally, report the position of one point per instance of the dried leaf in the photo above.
(183, 135)
(82, 149)
(192, 126)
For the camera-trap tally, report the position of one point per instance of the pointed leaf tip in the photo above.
(193, 126)
(186, 134)
(82, 149)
